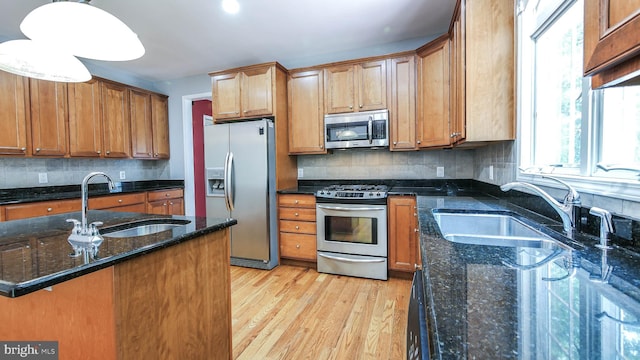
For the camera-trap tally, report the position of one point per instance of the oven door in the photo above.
(356, 229)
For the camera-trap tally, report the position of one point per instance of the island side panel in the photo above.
(176, 302)
(77, 313)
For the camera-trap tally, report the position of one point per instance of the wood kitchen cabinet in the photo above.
(432, 128)
(244, 92)
(611, 40)
(457, 128)
(355, 87)
(166, 202)
(160, 126)
(134, 202)
(297, 226)
(15, 114)
(49, 118)
(40, 208)
(402, 112)
(115, 120)
(149, 125)
(306, 112)
(85, 124)
(404, 250)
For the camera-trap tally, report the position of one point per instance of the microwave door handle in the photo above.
(370, 129)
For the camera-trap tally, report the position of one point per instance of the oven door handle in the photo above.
(340, 208)
(338, 258)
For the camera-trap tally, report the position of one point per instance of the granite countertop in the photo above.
(44, 193)
(580, 303)
(35, 252)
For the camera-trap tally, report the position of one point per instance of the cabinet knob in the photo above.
(418, 141)
(321, 146)
(246, 111)
(49, 209)
(120, 200)
(38, 149)
(361, 106)
(350, 107)
(296, 214)
(156, 154)
(416, 230)
(165, 204)
(170, 202)
(149, 154)
(395, 143)
(108, 152)
(297, 246)
(98, 152)
(295, 202)
(297, 227)
(167, 194)
(23, 149)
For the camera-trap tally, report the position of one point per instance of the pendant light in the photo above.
(82, 30)
(33, 59)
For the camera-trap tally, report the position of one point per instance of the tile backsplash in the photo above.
(16, 173)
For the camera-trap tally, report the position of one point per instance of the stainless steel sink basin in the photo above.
(142, 228)
(493, 229)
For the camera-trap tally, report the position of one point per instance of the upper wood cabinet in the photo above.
(243, 93)
(115, 120)
(483, 74)
(14, 112)
(355, 87)
(611, 37)
(160, 122)
(306, 116)
(402, 112)
(433, 95)
(49, 118)
(85, 124)
(149, 125)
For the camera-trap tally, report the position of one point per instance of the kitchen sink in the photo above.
(142, 228)
(492, 229)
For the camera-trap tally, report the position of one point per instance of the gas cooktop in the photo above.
(359, 191)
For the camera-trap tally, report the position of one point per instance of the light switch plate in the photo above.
(490, 172)
(440, 171)
(122, 175)
(300, 173)
(42, 178)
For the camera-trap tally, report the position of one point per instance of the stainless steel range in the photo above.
(352, 230)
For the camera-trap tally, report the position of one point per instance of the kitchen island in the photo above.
(163, 295)
(499, 302)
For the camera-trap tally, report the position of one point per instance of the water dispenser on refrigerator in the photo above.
(215, 182)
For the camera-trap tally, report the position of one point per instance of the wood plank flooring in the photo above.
(294, 312)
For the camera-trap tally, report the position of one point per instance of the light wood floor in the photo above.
(296, 313)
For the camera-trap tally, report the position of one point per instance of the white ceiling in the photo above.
(191, 37)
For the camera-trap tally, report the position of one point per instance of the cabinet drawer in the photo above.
(301, 227)
(41, 208)
(301, 214)
(111, 201)
(164, 194)
(297, 200)
(298, 246)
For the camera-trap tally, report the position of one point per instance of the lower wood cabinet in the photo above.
(40, 208)
(166, 202)
(136, 202)
(403, 237)
(297, 224)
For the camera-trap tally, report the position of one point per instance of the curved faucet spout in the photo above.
(85, 196)
(565, 210)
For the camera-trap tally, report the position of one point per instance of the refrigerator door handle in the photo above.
(228, 184)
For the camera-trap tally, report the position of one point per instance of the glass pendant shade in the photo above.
(33, 59)
(82, 30)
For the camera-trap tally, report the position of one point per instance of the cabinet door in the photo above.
(610, 33)
(403, 233)
(175, 206)
(158, 207)
(14, 112)
(226, 96)
(48, 118)
(115, 120)
(40, 208)
(141, 126)
(306, 116)
(372, 85)
(339, 89)
(457, 92)
(85, 127)
(402, 113)
(433, 96)
(160, 121)
(257, 94)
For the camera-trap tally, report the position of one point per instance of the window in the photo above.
(591, 138)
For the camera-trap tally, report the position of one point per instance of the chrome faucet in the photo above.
(606, 226)
(86, 237)
(569, 208)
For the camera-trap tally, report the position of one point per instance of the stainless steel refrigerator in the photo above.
(240, 180)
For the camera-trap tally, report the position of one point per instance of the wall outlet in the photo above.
(440, 202)
(440, 171)
(300, 173)
(122, 175)
(42, 178)
(490, 172)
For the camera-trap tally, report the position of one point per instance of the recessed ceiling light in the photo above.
(230, 6)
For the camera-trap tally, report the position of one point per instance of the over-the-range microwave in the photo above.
(368, 129)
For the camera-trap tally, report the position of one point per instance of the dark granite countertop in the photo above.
(581, 304)
(35, 252)
(44, 193)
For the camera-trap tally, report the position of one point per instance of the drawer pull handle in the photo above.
(49, 209)
(297, 246)
(296, 214)
(119, 200)
(295, 202)
(297, 227)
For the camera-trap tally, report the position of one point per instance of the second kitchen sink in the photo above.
(492, 229)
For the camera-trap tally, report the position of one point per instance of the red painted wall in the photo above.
(199, 108)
